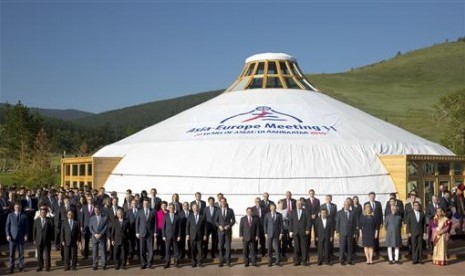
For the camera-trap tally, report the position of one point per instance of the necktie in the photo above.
(153, 202)
(250, 222)
(43, 222)
(146, 214)
(71, 224)
(329, 209)
(259, 212)
(435, 206)
(98, 220)
(134, 211)
(273, 216)
(171, 217)
(17, 218)
(187, 214)
(373, 206)
(224, 213)
(211, 211)
(196, 219)
(347, 212)
(299, 213)
(417, 214)
(289, 206)
(198, 204)
(311, 200)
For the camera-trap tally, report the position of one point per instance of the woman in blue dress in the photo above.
(368, 232)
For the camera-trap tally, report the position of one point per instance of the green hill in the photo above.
(401, 90)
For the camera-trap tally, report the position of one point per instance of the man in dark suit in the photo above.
(210, 215)
(399, 204)
(171, 234)
(299, 228)
(70, 239)
(249, 233)
(324, 236)
(289, 202)
(273, 227)
(196, 234)
(155, 202)
(16, 230)
(200, 203)
(42, 237)
(265, 202)
(61, 216)
(415, 230)
(87, 213)
(313, 208)
(119, 238)
(29, 207)
(131, 217)
(146, 229)
(378, 212)
(345, 228)
(408, 211)
(259, 212)
(224, 221)
(331, 208)
(183, 216)
(446, 204)
(430, 213)
(98, 227)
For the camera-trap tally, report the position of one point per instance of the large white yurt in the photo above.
(271, 131)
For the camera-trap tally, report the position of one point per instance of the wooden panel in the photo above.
(396, 165)
(102, 168)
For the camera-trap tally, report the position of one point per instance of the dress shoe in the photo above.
(351, 263)
(66, 268)
(343, 263)
(255, 264)
(199, 265)
(270, 264)
(104, 267)
(296, 264)
(143, 267)
(12, 270)
(229, 264)
(220, 264)
(421, 262)
(415, 262)
(94, 268)
(21, 269)
(319, 264)
(150, 266)
(193, 264)
(246, 264)
(73, 269)
(306, 264)
(47, 268)
(39, 269)
(279, 264)
(117, 267)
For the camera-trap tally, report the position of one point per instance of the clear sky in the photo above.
(101, 55)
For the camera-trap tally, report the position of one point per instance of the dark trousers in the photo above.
(211, 231)
(121, 252)
(56, 236)
(87, 236)
(284, 243)
(171, 243)
(262, 241)
(323, 250)
(96, 244)
(43, 254)
(133, 245)
(346, 248)
(417, 248)
(146, 250)
(196, 251)
(300, 248)
(248, 248)
(182, 247)
(273, 242)
(312, 227)
(13, 245)
(376, 246)
(70, 254)
(161, 245)
(224, 241)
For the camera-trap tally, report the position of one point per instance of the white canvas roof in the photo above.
(247, 142)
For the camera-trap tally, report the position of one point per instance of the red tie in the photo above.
(289, 206)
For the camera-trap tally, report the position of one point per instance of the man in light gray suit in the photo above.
(345, 228)
(16, 230)
(98, 227)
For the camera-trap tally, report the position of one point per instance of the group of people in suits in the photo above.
(145, 224)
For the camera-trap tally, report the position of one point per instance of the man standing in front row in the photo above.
(249, 229)
(70, 238)
(98, 227)
(345, 228)
(224, 221)
(42, 236)
(273, 226)
(415, 231)
(299, 229)
(146, 225)
(16, 230)
(196, 234)
(324, 236)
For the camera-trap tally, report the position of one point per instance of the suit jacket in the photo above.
(61, 215)
(177, 206)
(446, 205)
(313, 209)
(273, 228)
(378, 213)
(120, 232)
(266, 205)
(99, 228)
(249, 232)
(209, 218)
(171, 230)
(293, 202)
(202, 204)
(25, 204)
(345, 226)
(183, 222)
(324, 233)
(86, 215)
(146, 226)
(42, 235)
(196, 231)
(332, 214)
(70, 236)
(431, 211)
(155, 203)
(221, 220)
(16, 228)
(400, 208)
(413, 227)
(299, 226)
(131, 218)
(256, 213)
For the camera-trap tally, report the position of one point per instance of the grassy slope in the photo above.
(402, 90)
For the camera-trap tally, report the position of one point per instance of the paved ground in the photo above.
(456, 266)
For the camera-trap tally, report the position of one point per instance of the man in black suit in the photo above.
(331, 209)
(289, 202)
(299, 229)
(119, 237)
(345, 229)
(446, 204)
(266, 201)
(210, 216)
(324, 236)
(171, 234)
(415, 230)
(155, 202)
(399, 204)
(183, 216)
(408, 210)
(61, 216)
(16, 229)
(146, 228)
(70, 239)
(378, 212)
(200, 203)
(224, 221)
(259, 212)
(131, 216)
(313, 208)
(29, 204)
(249, 229)
(430, 213)
(196, 234)
(273, 227)
(42, 237)
(87, 213)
